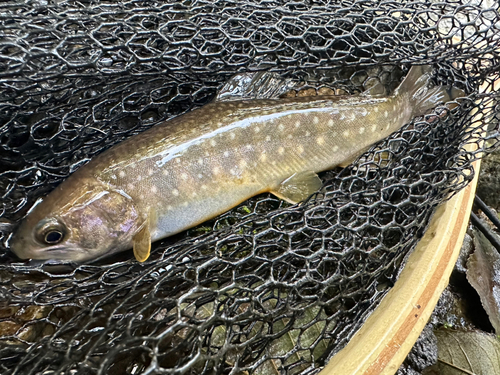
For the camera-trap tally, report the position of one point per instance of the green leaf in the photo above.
(301, 340)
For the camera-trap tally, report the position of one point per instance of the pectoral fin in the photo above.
(142, 243)
(298, 187)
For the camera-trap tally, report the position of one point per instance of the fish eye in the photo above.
(50, 232)
(53, 237)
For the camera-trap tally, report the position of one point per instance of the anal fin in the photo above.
(298, 187)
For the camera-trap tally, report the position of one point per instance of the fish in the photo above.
(194, 167)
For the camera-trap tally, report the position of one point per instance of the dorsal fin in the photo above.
(257, 85)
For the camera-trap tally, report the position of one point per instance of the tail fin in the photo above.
(421, 93)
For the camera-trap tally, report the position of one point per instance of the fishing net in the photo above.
(268, 287)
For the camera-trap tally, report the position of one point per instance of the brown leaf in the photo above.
(483, 273)
(462, 352)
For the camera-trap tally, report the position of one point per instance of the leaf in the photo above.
(462, 352)
(483, 273)
(304, 336)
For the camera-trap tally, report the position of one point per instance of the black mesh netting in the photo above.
(267, 288)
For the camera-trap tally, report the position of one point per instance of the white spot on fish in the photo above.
(308, 134)
(249, 147)
(112, 176)
(139, 178)
(330, 122)
(207, 154)
(215, 170)
(213, 143)
(375, 109)
(204, 187)
(232, 135)
(342, 116)
(300, 149)
(226, 153)
(281, 150)
(242, 163)
(122, 174)
(374, 128)
(175, 192)
(200, 175)
(256, 129)
(130, 186)
(335, 148)
(184, 176)
(346, 133)
(150, 172)
(297, 124)
(316, 119)
(185, 204)
(263, 157)
(141, 196)
(364, 112)
(154, 189)
(200, 161)
(320, 141)
(352, 117)
(290, 136)
(268, 138)
(281, 127)
(169, 207)
(165, 172)
(178, 160)
(193, 194)
(273, 162)
(386, 114)
(361, 130)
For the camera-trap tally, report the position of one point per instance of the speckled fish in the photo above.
(199, 165)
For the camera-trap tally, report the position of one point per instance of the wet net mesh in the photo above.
(266, 288)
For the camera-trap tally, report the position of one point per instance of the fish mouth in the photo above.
(57, 253)
(61, 249)
(62, 252)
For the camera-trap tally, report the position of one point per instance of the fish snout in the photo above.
(19, 245)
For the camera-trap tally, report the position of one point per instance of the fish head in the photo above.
(80, 220)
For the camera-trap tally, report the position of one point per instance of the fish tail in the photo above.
(422, 94)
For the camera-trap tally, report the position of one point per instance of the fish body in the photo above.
(199, 165)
